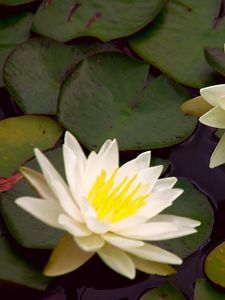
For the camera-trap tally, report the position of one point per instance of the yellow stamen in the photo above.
(114, 202)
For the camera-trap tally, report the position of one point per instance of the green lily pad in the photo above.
(215, 265)
(164, 292)
(206, 291)
(108, 96)
(20, 135)
(175, 42)
(27, 230)
(191, 204)
(14, 268)
(216, 58)
(46, 63)
(13, 30)
(106, 20)
(14, 2)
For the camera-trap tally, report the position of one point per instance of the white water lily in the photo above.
(106, 209)
(215, 117)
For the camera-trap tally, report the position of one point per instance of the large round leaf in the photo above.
(13, 30)
(45, 63)
(215, 265)
(27, 230)
(192, 204)
(109, 96)
(175, 43)
(14, 2)
(106, 20)
(165, 291)
(216, 58)
(20, 135)
(15, 268)
(206, 291)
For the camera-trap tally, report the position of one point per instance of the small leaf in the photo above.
(46, 63)
(216, 58)
(20, 135)
(215, 265)
(196, 107)
(106, 20)
(8, 183)
(206, 291)
(164, 292)
(110, 97)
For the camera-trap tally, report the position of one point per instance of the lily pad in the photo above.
(106, 20)
(46, 63)
(206, 291)
(13, 30)
(216, 58)
(20, 135)
(14, 2)
(191, 204)
(14, 268)
(215, 265)
(164, 292)
(175, 42)
(108, 95)
(27, 230)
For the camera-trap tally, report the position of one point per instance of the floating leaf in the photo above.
(165, 292)
(108, 96)
(13, 30)
(14, 2)
(216, 58)
(15, 268)
(196, 107)
(175, 43)
(46, 63)
(27, 230)
(206, 291)
(106, 20)
(191, 204)
(215, 265)
(20, 135)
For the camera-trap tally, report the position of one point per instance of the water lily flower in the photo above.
(215, 117)
(107, 210)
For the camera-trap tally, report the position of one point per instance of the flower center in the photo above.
(114, 202)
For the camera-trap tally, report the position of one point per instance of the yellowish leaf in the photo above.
(196, 107)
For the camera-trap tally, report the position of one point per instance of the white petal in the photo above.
(155, 253)
(222, 102)
(87, 209)
(127, 223)
(38, 181)
(218, 156)
(96, 226)
(164, 184)
(215, 118)
(212, 94)
(152, 267)
(149, 175)
(75, 147)
(90, 243)
(117, 260)
(158, 201)
(74, 173)
(177, 220)
(44, 210)
(180, 232)
(73, 227)
(66, 257)
(58, 186)
(149, 231)
(143, 160)
(104, 147)
(121, 242)
(91, 171)
(110, 158)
